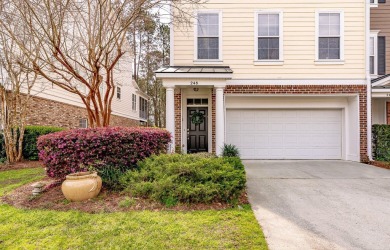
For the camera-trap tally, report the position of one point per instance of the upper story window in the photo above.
(269, 36)
(373, 54)
(330, 41)
(374, 3)
(377, 53)
(118, 92)
(134, 102)
(208, 36)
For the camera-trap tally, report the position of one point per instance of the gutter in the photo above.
(368, 79)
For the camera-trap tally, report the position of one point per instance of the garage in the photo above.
(286, 133)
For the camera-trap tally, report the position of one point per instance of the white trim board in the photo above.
(195, 75)
(296, 82)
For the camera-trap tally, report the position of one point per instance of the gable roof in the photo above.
(381, 82)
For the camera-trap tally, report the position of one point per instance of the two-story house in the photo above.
(283, 79)
(380, 61)
(53, 106)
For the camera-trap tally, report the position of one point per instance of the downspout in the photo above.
(368, 79)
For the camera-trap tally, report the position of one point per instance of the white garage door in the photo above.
(285, 134)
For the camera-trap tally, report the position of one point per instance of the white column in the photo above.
(219, 120)
(170, 116)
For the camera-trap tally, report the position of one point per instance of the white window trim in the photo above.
(374, 34)
(118, 98)
(342, 23)
(374, 4)
(134, 102)
(256, 35)
(208, 61)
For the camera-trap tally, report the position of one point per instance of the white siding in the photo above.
(123, 78)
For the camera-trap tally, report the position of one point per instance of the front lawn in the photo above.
(45, 229)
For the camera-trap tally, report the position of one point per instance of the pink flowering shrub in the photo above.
(71, 151)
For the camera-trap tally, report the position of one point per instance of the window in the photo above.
(330, 36)
(197, 101)
(268, 38)
(208, 36)
(381, 55)
(377, 53)
(373, 54)
(374, 3)
(134, 102)
(83, 123)
(102, 90)
(118, 92)
(143, 108)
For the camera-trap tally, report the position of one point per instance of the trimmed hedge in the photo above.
(31, 134)
(187, 178)
(72, 151)
(381, 142)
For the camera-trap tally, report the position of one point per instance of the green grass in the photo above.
(14, 178)
(45, 229)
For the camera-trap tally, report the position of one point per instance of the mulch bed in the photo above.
(380, 164)
(106, 202)
(20, 165)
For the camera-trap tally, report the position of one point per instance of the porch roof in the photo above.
(380, 78)
(195, 70)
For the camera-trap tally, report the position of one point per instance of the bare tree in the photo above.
(151, 49)
(16, 82)
(82, 42)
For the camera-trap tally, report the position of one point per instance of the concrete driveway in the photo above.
(321, 204)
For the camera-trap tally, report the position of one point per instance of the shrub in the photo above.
(70, 151)
(127, 202)
(186, 178)
(381, 142)
(31, 134)
(230, 150)
(110, 174)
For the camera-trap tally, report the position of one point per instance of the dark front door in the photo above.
(197, 134)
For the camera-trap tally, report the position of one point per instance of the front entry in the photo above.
(197, 134)
(388, 113)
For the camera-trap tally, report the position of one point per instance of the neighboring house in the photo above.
(280, 80)
(380, 61)
(53, 106)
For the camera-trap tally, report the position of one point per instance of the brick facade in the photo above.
(178, 120)
(213, 142)
(46, 112)
(290, 90)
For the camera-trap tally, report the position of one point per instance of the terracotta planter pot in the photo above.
(81, 186)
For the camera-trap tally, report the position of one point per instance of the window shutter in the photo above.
(381, 55)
